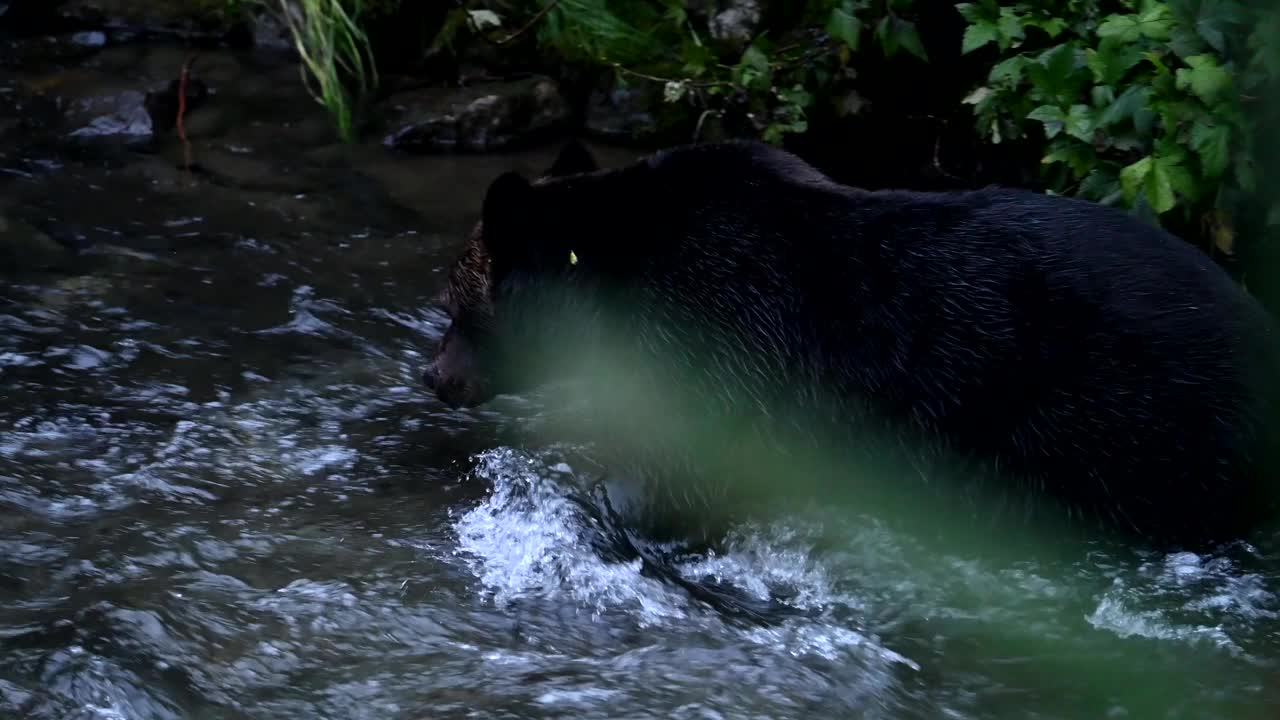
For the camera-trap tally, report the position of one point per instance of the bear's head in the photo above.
(518, 258)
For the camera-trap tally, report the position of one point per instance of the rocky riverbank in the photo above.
(96, 173)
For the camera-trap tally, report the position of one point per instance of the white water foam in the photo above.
(528, 539)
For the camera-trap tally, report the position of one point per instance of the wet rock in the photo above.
(636, 112)
(89, 39)
(127, 113)
(268, 31)
(486, 117)
(737, 22)
(119, 115)
(24, 248)
(190, 18)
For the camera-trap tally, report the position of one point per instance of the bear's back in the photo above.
(1098, 357)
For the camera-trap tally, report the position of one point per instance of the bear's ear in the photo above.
(574, 158)
(508, 205)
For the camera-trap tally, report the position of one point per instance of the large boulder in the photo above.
(486, 117)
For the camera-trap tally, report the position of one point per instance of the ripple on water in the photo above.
(1192, 598)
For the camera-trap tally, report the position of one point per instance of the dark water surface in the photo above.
(224, 493)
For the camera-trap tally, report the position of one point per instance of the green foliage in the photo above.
(334, 49)
(773, 79)
(1139, 101)
(1155, 105)
(1141, 107)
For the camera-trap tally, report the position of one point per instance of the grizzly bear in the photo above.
(1064, 349)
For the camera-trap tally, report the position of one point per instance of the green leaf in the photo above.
(1060, 62)
(697, 58)
(909, 38)
(844, 26)
(1205, 78)
(970, 12)
(977, 96)
(1060, 155)
(1154, 23)
(1125, 107)
(1121, 27)
(1212, 142)
(1055, 72)
(755, 59)
(1215, 22)
(1009, 27)
(1183, 182)
(1101, 185)
(1168, 150)
(1160, 189)
(1134, 177)
(1184, 42)
(1053, 118)
(888, 40)
(1053, 26)
(1077, 156)
(1158, 179)
(754, 70)
(1111, 60)
(1010, 70)
(677, 14)
(1079, 122)
(796, 96)
(975, 36)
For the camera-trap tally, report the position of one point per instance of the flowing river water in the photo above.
(225, 494)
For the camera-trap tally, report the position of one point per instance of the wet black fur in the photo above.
(1085, 354)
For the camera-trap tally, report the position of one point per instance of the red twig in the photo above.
(182, 110)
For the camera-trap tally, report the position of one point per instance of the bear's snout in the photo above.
(459, 393)
(431, 377)
(452, 375)
(451, 391)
